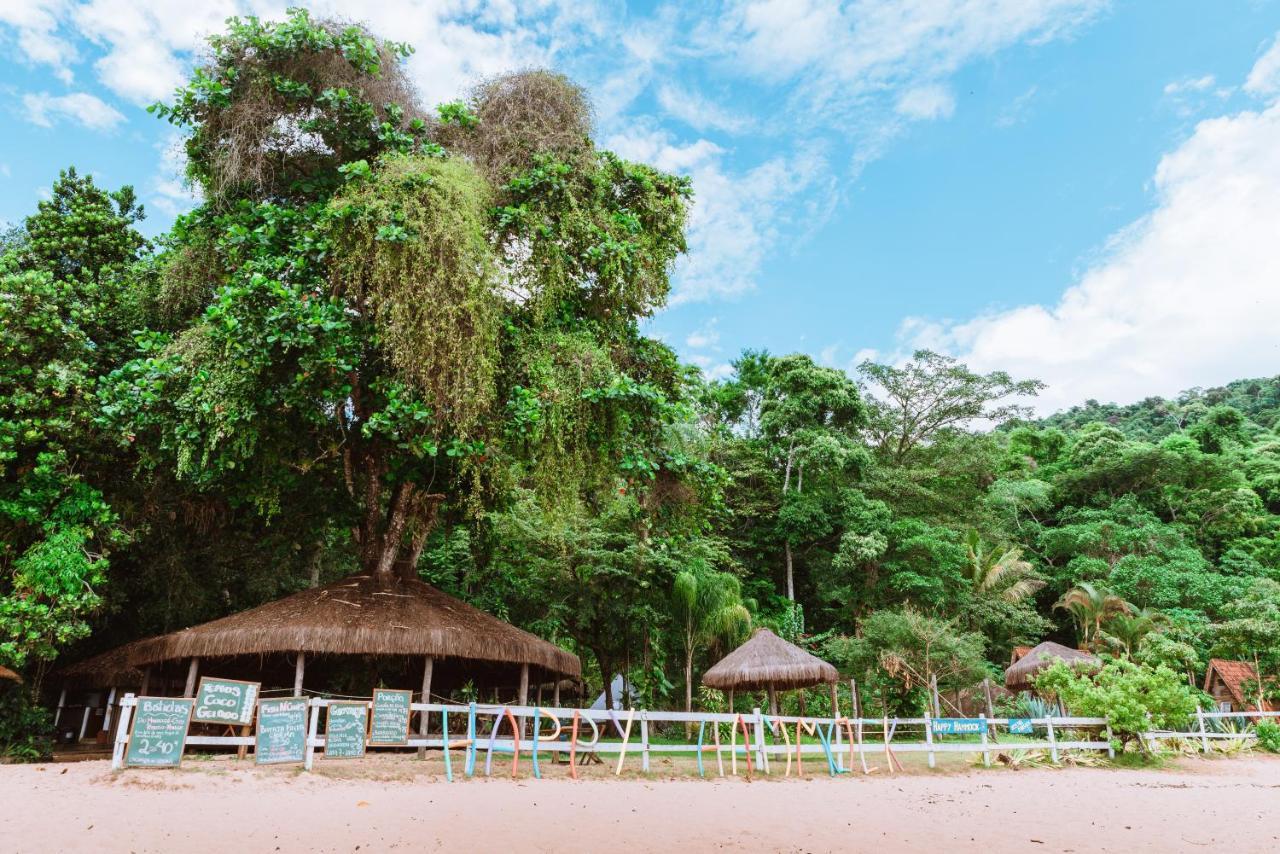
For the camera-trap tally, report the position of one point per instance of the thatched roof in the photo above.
(6, 673)
(765, 660)
(1041, 658)
(108, 670)
(357, 616)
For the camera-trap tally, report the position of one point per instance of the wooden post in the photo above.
(730, 701)
(1204, 738)
(759, 732)
(312, 728)
(888, 754)
(146, 681)
(991, 713)
(111, 707)
(1053, 741)
(644, 740)
(122, 733)
(937, 702)
(299, 669)
(853, 699)
(84, 722)
(773, 701)
(428, 667)
(1111, 749)
(62, 701)
(986, 752)
(555, 699)
(928, 736)
(192, 672)
(835, 701)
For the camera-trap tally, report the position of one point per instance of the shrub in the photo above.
(24, 727)
(1133, 698)
(1268, 733)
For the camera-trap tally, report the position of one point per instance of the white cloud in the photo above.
(736, 217)
(80, 107)
(1190, 84)
(1017, 109)
(1184, 297)
(841, 56)
(927, 102)
(170, 192)
(1264, 78)
(706, 337)
(700, 112)
(36, 23)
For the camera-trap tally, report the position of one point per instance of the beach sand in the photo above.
(392, 802)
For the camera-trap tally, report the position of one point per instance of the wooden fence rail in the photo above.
(754, 740)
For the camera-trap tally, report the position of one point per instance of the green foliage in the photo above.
(1268, 732)
(1134, 699)
(25, 727)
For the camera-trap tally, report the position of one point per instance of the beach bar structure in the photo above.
(769, 663)
(1022, 673)
(360, 616)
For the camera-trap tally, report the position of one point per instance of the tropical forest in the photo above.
(413, 340)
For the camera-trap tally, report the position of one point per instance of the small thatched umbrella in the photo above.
(1020, 676)
(360, 616)
(6, 673)
(768, 662)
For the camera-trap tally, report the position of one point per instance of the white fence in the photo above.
(756, 741)
(1205, 730)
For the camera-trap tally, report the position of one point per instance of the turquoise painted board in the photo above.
(390, 724)
(1020, 726)
(345, 729)
(159, 732)
(282, 731)
(225, 701)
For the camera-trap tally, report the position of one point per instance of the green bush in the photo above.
(1268, 736)
(24, 727)
(1133, 698)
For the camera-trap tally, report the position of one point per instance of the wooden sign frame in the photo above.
(182, 745)
(367, 705)
(253, 706)
(373, 705)
(306, 731)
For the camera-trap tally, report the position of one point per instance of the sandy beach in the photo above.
(388, 803)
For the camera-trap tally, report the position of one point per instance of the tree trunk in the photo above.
(791, 577)
(688, 691)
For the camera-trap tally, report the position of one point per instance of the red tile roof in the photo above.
(1233, 675)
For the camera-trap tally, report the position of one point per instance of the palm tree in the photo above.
(709, 610)
(1090, 606)
(1003, 573)
(1126, 632)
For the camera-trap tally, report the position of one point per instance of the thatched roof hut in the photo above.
(359, 616)
(767, 661)
(107, 670)
(1019, 677)
(6, 673)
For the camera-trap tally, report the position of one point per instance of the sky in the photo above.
(1080, 191)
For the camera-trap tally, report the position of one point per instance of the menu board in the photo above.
(282, 731)
(390, 724)
(345, 729)
(159, 732)
(225, 701)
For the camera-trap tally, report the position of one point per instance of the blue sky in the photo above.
(1081, 191)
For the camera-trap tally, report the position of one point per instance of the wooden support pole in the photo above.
(62, 702)
(773, 700)
(1053, 741)
(146, 681)
(835, 701)
(928, 737)
(986, 752)
(730, 701)
(853, 698)
(313, 727)
(84, 721)
(111, 707)
(522, 699)
(428, 668)
(299, 668)
(644, 740)
(555, 697)
(937, 702)
(193, 670)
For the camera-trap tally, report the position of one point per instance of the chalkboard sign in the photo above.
(958, 726)
(159, 732)
(225, 701)
(390, 717)
(282, 731)
(345, 729)
(1020, 726)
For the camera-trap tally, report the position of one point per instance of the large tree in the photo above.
(401, 316)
